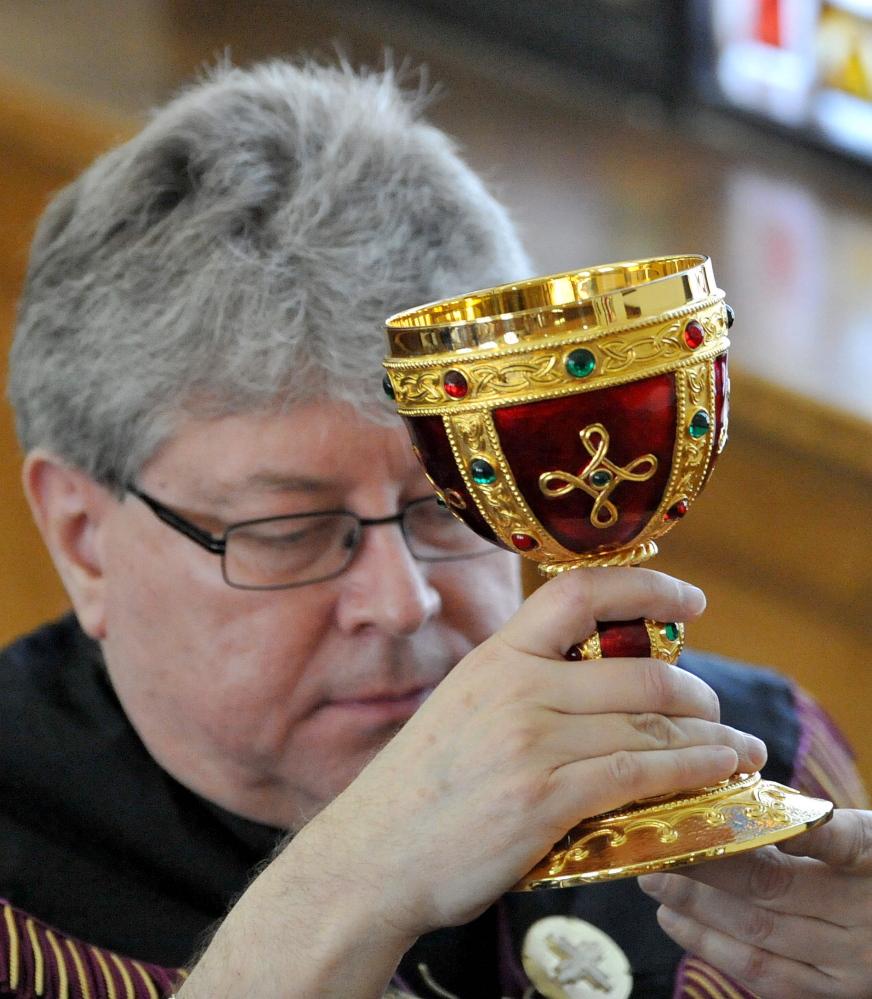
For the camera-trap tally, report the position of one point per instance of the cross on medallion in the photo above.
(579, 962)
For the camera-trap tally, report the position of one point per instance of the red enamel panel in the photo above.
(624, 639)
(429, 436)
(541, 437)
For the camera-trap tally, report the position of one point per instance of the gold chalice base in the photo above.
(677, 830)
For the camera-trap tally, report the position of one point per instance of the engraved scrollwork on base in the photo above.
(734, 815)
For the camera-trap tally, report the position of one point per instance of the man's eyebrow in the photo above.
(278, 482)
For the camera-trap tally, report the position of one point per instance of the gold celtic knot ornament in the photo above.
(599, 476)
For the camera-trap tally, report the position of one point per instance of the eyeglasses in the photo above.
(274, 553)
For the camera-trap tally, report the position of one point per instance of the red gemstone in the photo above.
(524, 543)
(694, 335)
(455, 384)
(676, 511)
(574, 655)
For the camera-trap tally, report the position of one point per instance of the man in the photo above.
(277, 628)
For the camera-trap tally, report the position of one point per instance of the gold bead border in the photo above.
(530, 372)
(472, 436)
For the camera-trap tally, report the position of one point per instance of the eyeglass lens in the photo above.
(291, 551)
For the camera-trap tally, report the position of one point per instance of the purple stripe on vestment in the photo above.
(513, 979)
(824, 765)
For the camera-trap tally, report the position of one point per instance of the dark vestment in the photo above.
(98, 841)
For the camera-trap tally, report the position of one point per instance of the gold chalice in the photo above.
(574, 419)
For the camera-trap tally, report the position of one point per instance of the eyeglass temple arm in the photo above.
(203, 538)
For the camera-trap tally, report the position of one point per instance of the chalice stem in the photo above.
(639, 639)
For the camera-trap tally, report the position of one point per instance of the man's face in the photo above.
(270, 702)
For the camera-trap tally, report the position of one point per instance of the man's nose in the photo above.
(385, 586)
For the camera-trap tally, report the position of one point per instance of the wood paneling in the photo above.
(44, 142)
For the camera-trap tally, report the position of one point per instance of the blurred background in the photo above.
(613, 129)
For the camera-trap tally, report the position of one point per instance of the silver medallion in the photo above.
(567, 958)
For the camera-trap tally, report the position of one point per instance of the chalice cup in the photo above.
(574, 419)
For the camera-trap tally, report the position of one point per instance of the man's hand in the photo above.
(793, 922)
(517, 745)
(511, 750)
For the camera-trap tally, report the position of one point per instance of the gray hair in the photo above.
(240, 254)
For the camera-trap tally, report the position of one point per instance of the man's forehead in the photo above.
(318, 449)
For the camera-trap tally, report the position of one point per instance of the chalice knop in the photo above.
(574, 419)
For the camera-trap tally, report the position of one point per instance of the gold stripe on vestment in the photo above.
(13, 946)
(38, 959)
(107, 974)
(125, 977)
(63, 978)
(146, 979)
(80, 968)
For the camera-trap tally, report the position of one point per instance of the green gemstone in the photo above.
(671, 631)
(482, 471)
(601, 478)
(700, 424)
(580, 363)
(389, 389)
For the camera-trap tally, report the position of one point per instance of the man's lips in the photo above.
(380, 706)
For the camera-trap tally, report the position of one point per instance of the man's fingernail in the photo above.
(652, 883)
(693, 598)
(757, 748)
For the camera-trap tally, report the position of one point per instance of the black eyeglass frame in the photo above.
(216, 544)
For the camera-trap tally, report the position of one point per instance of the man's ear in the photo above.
(69, 508)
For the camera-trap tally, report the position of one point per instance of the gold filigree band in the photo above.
(565, 363)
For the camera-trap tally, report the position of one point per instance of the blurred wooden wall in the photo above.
(45, 141)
